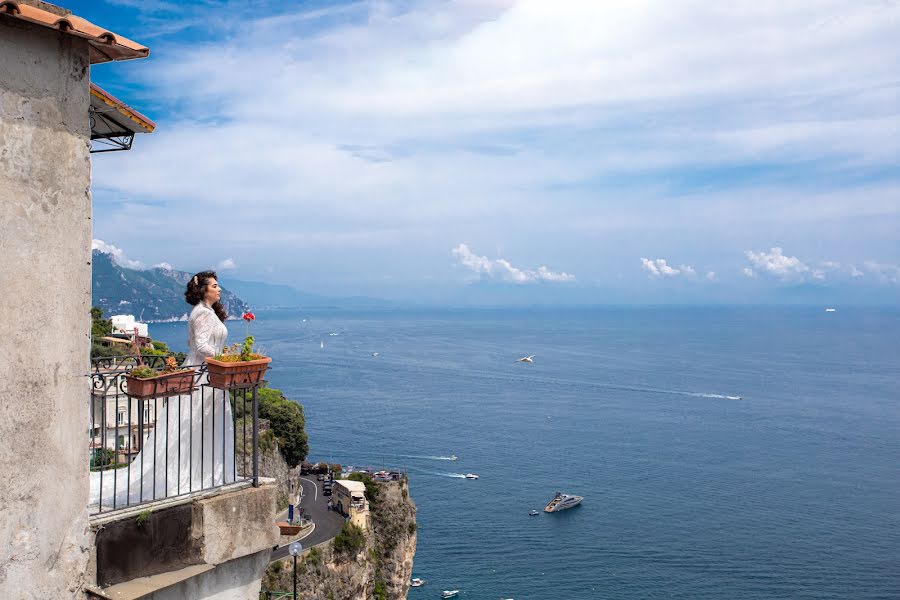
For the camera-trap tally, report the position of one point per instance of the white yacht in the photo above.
(449, 593)
(534, 513)
(471, 476)
(416, 582)
(562, 502)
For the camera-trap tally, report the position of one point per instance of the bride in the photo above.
(191, 445)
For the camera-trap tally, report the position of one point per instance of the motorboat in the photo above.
(562, 502)
(454, 457)
(416, 582)
(534, 513)
(471, 476)
(449, 593)
(830, 309)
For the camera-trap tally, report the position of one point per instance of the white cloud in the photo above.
(226, 265)
(711, 276)
(885, 273)
(774, 262)
(660, 268)
(163, 265)
(529, 99)
(503, 270)
(748, 272)
(117, 253)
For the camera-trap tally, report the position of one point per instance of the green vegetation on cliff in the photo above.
(287, 421)
(376, 563)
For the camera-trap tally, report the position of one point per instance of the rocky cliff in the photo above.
(379, 569)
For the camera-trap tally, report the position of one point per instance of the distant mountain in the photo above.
(150, 295)
(271, 295)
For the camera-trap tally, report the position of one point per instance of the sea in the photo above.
(722, 452)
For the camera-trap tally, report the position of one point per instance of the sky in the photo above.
(517, 151)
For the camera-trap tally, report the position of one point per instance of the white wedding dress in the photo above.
(193, 434)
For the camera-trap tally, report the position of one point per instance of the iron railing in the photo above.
(171, 442)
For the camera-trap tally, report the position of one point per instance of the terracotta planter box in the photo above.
(288, 529)
(225, 375)
(168, 384)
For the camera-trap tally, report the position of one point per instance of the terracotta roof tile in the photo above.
(105, 45)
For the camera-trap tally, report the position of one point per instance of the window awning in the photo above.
(114, 123)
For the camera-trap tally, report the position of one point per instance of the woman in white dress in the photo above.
(193, 433)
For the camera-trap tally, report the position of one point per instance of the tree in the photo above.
(287, 421)
(99, 326)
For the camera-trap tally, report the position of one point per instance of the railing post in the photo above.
(255, 437)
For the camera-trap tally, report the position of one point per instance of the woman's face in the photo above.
(213, 292)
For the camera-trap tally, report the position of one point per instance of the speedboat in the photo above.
(562, 502)
(471, 476)
(534, 513)
(454, 457)
(416, 582)
(830, 309)
(449, 593)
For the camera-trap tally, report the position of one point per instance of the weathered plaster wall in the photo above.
(45, 250)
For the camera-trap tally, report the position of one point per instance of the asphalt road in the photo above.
(328, 523)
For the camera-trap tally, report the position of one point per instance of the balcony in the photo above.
(167, 444)
(176, 504)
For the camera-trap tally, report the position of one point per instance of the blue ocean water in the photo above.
(792, 491)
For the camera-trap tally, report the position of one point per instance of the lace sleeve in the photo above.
(202, 328)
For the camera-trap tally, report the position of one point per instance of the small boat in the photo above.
(471, 476)
(830, 309)
(454, 457)
(534, 513)
(449, 593)
(562, 502)
(416, 582)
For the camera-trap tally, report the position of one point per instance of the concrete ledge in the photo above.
(144, 586)
(110, 516)
(236, 524)
(153, 542)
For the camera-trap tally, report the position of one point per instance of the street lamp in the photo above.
(295, 549)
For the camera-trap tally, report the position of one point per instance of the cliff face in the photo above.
(271, 462)
(380, 570)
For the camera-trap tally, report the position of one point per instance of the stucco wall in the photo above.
(45, 250)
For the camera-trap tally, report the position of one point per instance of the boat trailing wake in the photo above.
(451, 457)
(439, 473)
(717, 396)
(675, 392)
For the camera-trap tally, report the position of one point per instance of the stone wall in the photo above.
(45, 276)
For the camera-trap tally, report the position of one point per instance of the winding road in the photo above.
(314, 503)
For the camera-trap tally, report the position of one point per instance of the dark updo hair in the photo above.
(196, 292)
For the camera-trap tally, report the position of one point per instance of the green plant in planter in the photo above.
(145, 372)
(238, 352)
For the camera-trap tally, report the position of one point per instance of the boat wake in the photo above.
(420, 457)
(679, 393)
(717, 396)
(440, 473)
